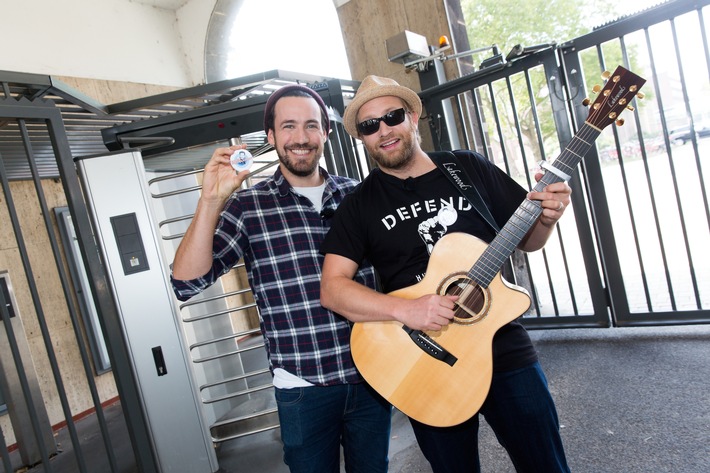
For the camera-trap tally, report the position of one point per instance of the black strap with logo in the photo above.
(449, 164)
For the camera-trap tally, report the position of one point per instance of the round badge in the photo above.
(447, 215)
(241, 160)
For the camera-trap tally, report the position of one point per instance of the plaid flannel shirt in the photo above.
(278, 233)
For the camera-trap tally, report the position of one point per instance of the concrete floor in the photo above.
(631, 400)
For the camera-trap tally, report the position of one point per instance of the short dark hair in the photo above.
(294, 91)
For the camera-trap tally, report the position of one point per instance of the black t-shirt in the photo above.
(395, 223)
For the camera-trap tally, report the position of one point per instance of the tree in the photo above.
(507, 23)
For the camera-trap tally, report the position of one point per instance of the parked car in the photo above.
(680, 136)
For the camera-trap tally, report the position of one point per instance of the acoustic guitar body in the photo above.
(432, 391)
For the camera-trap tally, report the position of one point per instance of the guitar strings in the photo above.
(473, 294)
(473, 298)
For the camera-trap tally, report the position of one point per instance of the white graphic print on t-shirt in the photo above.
(427, 208)
(432, 229)
(438, 214)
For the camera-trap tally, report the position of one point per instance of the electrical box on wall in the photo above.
(406, 47)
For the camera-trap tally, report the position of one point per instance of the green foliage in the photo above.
(507, 23)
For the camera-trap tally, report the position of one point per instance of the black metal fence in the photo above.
(629, 250)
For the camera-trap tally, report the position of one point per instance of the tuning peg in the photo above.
(630, 108)
(620, 122)
(606, 75)
(596, 89)
(639, 95)
(586, 102)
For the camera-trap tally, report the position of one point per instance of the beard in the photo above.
(300, 167)
(396, 160)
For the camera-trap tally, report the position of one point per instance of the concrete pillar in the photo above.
(366, 26)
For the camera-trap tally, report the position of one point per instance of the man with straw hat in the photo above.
(393, 220)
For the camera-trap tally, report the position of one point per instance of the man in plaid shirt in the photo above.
(277, 226)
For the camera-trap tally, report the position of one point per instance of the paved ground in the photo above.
(631, 400)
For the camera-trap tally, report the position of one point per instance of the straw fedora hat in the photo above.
(371, 88)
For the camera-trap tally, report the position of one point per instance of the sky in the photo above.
(297, 39)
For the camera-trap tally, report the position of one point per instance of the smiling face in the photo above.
(391, 147)
(298, 136)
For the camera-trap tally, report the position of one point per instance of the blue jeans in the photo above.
(521, 412)
(317, 420)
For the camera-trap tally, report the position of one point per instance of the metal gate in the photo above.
(628, 251)
(34, 133)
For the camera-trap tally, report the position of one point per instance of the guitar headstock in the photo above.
(620, 88)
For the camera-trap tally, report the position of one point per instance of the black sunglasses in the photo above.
(393, 118)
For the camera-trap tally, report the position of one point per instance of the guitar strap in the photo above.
(449, 164)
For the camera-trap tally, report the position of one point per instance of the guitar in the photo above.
(441, 378)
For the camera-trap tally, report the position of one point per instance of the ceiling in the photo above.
(177, 4)
(164, 4)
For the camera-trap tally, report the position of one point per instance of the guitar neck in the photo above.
(510, 236)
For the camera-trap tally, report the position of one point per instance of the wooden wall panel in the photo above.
(46, 275)
(108, 92)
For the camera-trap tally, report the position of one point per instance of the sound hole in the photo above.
(473, 301)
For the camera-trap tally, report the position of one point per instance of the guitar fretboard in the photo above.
(504, 244)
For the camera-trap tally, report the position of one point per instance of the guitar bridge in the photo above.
(429, 346)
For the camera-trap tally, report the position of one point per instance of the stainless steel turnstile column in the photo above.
(118, 199)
